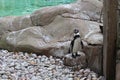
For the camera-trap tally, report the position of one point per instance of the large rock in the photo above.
(82, 9)
(94, 57)
(14, 23)
(78, 61)
(33, 39)
(21, 22)
(46, 15)
(5, 23)
(87, 10)
(96, 38)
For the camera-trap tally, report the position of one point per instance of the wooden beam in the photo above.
(110, 36)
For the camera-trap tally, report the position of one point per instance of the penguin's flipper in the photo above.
(81, 44)
(70, 49)
(71, 46)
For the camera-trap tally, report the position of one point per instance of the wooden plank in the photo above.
(110, 36)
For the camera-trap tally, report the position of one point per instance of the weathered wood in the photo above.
(110, 34)
(94, 57)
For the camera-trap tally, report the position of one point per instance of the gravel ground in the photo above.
(24, 66)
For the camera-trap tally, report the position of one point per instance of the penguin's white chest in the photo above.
(77, 45)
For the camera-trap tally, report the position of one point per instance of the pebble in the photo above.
(4, 76)
(70, 78)
(24, 66)
(83, 78)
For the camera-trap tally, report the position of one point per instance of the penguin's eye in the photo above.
(76, 31)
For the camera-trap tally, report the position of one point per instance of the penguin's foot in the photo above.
(77, 54)
(74, 55)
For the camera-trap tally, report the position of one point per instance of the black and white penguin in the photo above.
(76, 44)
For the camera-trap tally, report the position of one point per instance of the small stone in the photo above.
(59, 67)
(101, 78)
(69, 79)
(80, 76)
(2, 72)
(12, 64)
(94, 78)
(93, 75)
(34, 78)
(54, 79)
(52, 61)
(87, 71)
(31, 70)
(25, 64)
(83, 78)
(85, 74)
(47, 78)
(4, 51)
(81, 71)
(32, 62)
(33, 55)
(49, 68)
(70, 75)
(42, 59)
(76, 78)
(52, 66)
(51, 57)
(17, 67)
(4, 77)
(26, 54)
(47, 62)
(89, 77)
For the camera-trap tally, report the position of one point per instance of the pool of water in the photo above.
(21, 7)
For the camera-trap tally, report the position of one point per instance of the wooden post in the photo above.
(110, 36)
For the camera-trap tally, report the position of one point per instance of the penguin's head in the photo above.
(76, 33)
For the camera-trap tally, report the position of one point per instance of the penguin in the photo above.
(76, 44)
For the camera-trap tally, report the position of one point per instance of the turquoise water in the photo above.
(21, 7)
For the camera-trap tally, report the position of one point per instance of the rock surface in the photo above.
(78, 61)
(14, 23)
(49, 30)
(45, 16)
(34, 39)
(94, 57)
